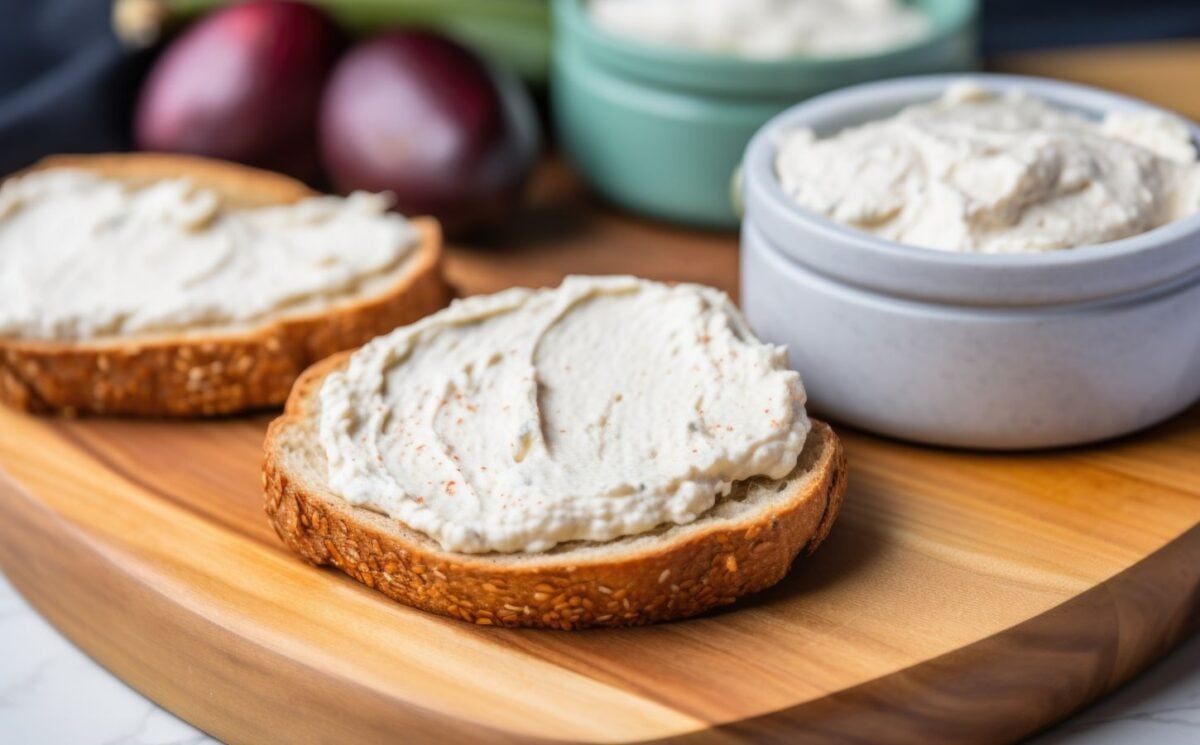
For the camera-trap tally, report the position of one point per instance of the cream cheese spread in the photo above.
(82, 256)
(766, 29)
(602, 408)
(977, 172)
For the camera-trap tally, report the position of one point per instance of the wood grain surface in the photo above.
(962, 597)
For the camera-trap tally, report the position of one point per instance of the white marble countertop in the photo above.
(51, 692)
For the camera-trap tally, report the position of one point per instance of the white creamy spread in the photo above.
(766, 29)
(984, 173)
(605, 407)
(82, 256)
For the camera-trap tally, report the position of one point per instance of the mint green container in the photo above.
(660, 130)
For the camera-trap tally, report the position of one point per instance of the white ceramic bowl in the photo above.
(986, 351)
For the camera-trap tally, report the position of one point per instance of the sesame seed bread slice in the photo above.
(745, 543)
(211, 371)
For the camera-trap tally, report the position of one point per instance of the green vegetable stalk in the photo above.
(515, 33)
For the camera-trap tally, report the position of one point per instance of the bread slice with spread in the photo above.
(611, 452)
(169, 285)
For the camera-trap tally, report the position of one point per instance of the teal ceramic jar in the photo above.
(660, 130)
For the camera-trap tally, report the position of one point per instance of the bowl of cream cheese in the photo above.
(655, 100)
(991, 261)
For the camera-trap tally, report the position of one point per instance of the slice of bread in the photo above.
(745, 543)
(210, 371)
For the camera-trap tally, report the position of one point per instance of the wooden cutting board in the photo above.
(962, 597)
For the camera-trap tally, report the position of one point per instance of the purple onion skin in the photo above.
(416, 114)
(243, 84)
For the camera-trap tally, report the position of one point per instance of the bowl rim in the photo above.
(918, 308)
(674, 63)
(1060, 93)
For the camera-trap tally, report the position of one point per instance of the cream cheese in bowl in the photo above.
(766, 29)
(975, 171)
(655, 100)
(513, 422)
(1047, 291)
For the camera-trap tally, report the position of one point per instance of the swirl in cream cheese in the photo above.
(766, 29)
(82, 256)
(605, 407)
(976, 172)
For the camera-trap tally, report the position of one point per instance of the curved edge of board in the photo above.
(168, 653)
(1066, 654)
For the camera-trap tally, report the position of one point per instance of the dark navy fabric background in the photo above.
(1027, 24)
(66, 85)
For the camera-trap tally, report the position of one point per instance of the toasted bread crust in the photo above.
(208, 373)
(675, 580)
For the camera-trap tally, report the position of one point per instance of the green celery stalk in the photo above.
(514, 33)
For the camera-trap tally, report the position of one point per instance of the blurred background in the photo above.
(449, 105)
(67, 83)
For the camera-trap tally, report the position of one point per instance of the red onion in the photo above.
(242, 84)
(420, 116)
